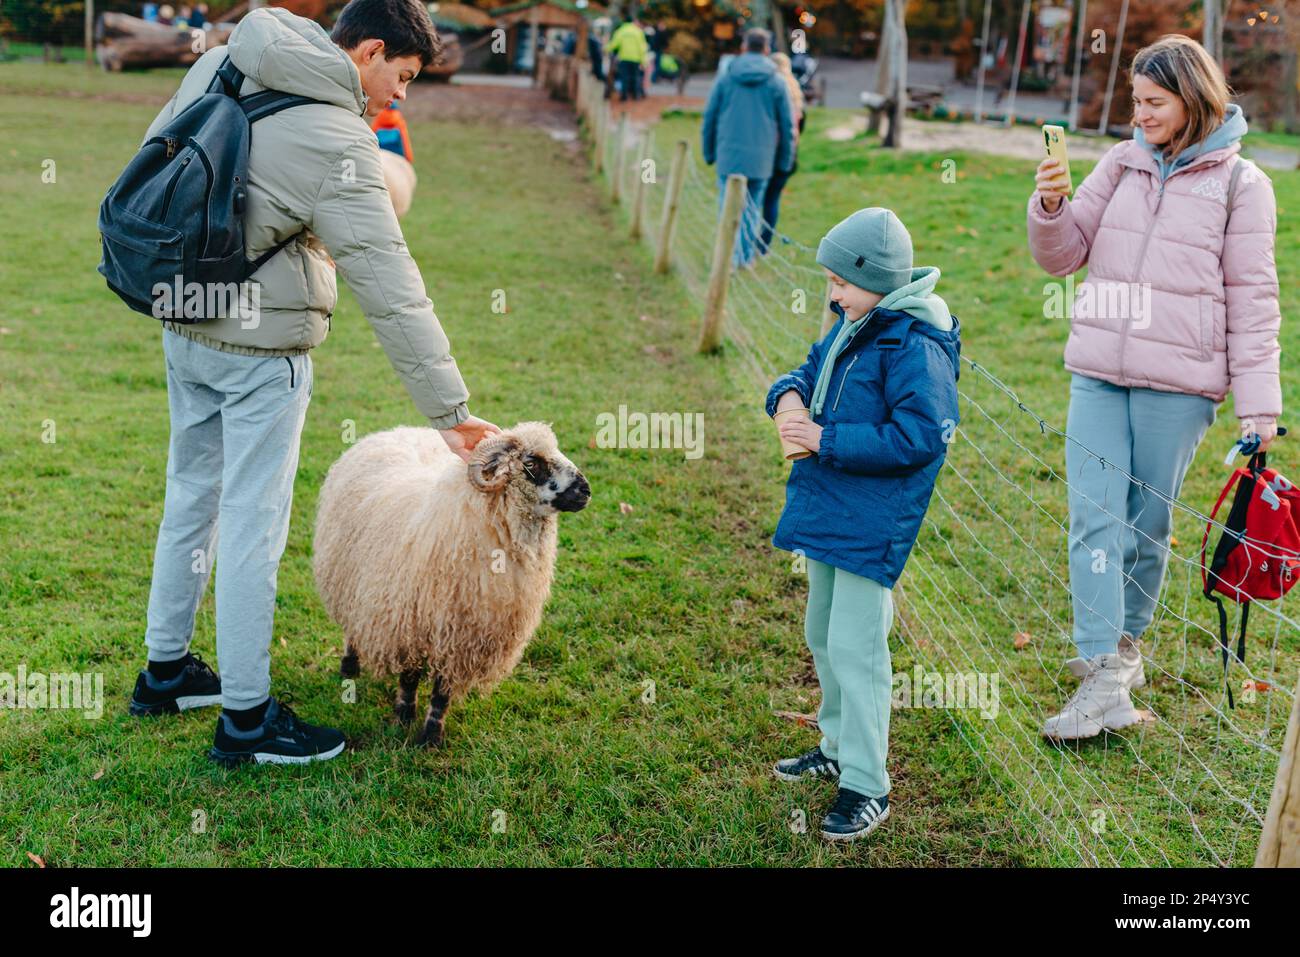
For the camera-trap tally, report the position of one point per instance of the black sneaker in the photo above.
(197, 686)
(812, 764)
(854, 815)
(281, 738)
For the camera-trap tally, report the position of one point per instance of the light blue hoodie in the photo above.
(1228, 132)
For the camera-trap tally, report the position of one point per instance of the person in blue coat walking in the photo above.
(747, 129)
(881, 393)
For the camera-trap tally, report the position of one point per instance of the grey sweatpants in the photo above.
(1119, 532)
(235, 425)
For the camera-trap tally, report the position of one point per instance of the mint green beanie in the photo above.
(872, 249)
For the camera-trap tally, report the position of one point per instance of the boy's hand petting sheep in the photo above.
(466, 435)
(803, 432)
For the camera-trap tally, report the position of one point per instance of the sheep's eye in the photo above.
(536, 469)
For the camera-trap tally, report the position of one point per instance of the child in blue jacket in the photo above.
(881, 392)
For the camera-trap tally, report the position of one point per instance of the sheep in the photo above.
(431, 565)
(399, 177)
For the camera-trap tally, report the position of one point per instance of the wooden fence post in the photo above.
(724, 244)
(602, 132)
(827, 320)
(1279, 843)
(638, 184)
(669, 218)
(616, 171)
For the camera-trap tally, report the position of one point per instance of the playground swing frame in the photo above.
(1073, 116)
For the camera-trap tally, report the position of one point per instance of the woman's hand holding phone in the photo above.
(1048, 181)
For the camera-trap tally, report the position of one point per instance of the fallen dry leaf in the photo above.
(283, 642)
(1022, 639)
(36, 859)
(625, 508)
(97, 775)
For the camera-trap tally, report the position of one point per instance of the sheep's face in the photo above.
(525, 463)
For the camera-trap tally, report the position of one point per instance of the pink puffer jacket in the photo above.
(1174, 304)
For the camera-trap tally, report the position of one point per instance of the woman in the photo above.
(1180, 307)
(772, 195)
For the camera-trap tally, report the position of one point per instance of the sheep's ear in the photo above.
(489, 463)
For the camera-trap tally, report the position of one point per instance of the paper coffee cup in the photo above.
(791, 450)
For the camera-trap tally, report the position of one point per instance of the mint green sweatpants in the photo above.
(847, 629)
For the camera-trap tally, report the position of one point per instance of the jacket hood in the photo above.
(918, 299)
(1230, 131)
(289, 53)
(751, 69)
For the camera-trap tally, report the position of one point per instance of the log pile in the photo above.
(124, 42)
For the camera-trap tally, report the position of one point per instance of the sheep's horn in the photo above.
(488, 463)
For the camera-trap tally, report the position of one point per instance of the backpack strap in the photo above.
(260, 105)
(228, 78)
(1232, 189)
(1224, 645)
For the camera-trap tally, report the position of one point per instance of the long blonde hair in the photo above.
(1184, 68)
(796, 94)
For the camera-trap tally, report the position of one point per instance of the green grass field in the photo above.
(565, 763)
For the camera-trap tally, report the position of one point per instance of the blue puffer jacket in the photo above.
(747, 125)
(891, 409)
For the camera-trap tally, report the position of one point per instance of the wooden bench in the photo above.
(920, 97)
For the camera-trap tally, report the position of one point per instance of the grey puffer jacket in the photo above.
(314, 171)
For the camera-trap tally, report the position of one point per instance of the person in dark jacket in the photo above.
(776, 185)
(881, 393)
(747, 130)
(596, 55)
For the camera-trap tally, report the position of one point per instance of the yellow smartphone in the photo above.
(1054, 139)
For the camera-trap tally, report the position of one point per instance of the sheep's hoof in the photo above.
(349, 667)
(405, 712)
(430, 736)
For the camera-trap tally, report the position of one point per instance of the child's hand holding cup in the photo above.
(790, 408)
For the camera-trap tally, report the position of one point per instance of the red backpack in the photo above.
(1258, 555)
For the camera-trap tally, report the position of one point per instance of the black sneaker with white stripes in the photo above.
(854, 815)
(811, 764)
(281, 738)
(197, 686)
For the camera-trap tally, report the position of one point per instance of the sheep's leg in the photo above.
(408, 684)
(349, 666)
(431, 735)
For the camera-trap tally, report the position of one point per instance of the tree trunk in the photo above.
(898, 76)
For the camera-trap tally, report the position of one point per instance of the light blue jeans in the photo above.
(847, 629)
(1119, 532)
(750, 219)
(235, 425)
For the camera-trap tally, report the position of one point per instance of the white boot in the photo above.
(1102, 701)
(1130, 654)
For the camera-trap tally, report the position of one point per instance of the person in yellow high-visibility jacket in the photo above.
(629, 46)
